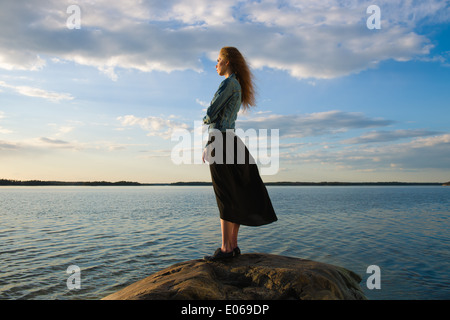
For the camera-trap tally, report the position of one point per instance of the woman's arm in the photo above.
(220, 99)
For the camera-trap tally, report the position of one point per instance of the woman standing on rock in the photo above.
(241, 195)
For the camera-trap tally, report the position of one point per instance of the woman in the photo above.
(241, 195)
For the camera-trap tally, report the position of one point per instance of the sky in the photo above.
(100, 90)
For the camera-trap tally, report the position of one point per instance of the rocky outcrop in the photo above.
(247, 277)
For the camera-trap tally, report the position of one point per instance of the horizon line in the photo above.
(10, 182)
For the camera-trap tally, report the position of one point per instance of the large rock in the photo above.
(247, 277)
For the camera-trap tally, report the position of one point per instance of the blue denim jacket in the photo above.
(222, 112)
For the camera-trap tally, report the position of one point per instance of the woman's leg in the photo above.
(229, 246)
(229, 235)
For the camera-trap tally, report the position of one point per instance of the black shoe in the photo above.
(237, 251)
(220, 255)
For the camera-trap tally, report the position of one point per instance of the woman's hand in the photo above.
(205, 155)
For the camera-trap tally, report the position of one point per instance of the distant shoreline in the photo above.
(6, 182)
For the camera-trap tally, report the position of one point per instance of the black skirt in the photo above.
(241, 195)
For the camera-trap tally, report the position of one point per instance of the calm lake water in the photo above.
(118, 235)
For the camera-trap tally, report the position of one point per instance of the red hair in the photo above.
(243, 74)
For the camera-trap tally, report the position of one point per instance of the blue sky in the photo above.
(101, 102)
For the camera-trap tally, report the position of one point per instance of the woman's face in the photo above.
(222, 66)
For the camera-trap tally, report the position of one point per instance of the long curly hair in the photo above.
(243, 74)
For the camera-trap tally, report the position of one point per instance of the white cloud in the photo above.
(202, 103)
(308, 39)
(20, 59)
(32, 147)
(416, 155)
(5, 131)
(156, 126)
(209, 13)
(65, 129)
(375, 151)
(421, 153)
(54, 142)
(314, 124)
(7, 146)
(387, 136)
(37, 92)
(50, 145)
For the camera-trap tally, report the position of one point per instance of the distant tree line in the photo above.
(331, 183)
(6, 182)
